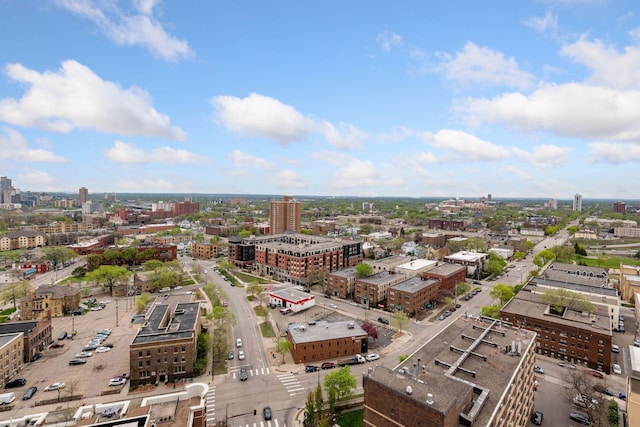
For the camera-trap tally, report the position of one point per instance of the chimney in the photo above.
(429, 399)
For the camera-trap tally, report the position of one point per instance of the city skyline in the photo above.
(423, 99)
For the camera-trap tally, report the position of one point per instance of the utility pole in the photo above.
(116, 313)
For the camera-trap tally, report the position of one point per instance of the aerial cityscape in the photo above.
(319, 214)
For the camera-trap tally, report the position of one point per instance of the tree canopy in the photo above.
(339, 385)
(108, 275)
(560, 299)
(363, 270)
(502, 293)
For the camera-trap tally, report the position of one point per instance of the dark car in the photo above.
(28, 394)
(579, 418)
(36, 357)
(595, 374)
(57, 345)
(108, 344)
(327, 296)
(230, 356)
(267, 413)
(383, 320)
(77, 361)
(311, 368)
(18, 382)
(458, 305)
(537, 417)
(622, 396)
(243, 374)
(328, 365)
(62, 336)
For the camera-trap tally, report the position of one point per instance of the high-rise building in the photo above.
(620, 207)
(577, 202)
(284, 215)
(552, 204)
(186, 208)
(6, 190)
(84, 195)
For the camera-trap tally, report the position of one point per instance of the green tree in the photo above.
(283, 346)
(339, 385)
(243, 234)
(165, 279)
(495, 264)
(462, 288)
(310, 410)
(15, 291)
(254, 288)
(58, 255)
(560, 299)
(400, 320)
(502, 293)
(152, 264)
(543, 257)
(142, 301)
(492, 311)
(108, 275)
(363, 270)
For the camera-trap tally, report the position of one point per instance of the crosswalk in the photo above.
(291, 383)
(211, 405)
(250, 372)
(270, 423)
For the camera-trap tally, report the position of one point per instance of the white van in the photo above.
(6, 398)
(165, 290)
(238, 343)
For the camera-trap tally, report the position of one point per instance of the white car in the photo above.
(333, 306)
(616, 369)
(102, 349)
(97, 308)
(54, 386)
(241, 355)
(353, 303)
(117, 381)
(84, 354)
(371, 357)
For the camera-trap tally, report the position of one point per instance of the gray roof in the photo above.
(160, 327)
(446, 269)
(25, 327)
(6, 338)
(413, 285)
(324, 330)
(380, 278)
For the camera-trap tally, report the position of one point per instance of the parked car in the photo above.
(62, 335)
(36, 357)
(616, 369)
(311, 368)
(57, 345)
(231, 355)
(54, 386)
(108, 344)
(622, 396)
(615, 348)
(84, 354)
(328, 365)
(538, 370)
(28, 393)
(238, 343)
(441, 318)
(117, 381)
(371, 357)
(567, 365)
(103, 349)
(537, 417)
(243, 374)
(241, 355)
(77, 361)
(266, 412)
(333, 306)
(595, 374)
(89, 347)
(579, 418)
(18, 382)
(383, 320)
(123, 375)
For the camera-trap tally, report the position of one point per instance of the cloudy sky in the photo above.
(531, 98)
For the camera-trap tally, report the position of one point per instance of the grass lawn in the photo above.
(606, 261)
(7, 311)
(352, 419)
(247, 278)
(267, 330)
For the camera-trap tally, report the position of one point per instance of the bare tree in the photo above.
(582, 392)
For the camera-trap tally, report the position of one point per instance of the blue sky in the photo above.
(536, 98)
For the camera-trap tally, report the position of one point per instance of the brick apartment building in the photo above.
(446, 224)
(474, 261)
(413, 295)
(36, 335)
(447, 276)
(326, 340)
(49, 301)
(475, 372)
(372, 290)
(11, 356)
(204, 250)
(165, 348)
(186, 208)
(341, 283)
(573, 336)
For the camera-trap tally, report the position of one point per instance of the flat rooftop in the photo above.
(291, 294)
(161, 325)
(323, 330)
(444, 365)
(413, 285)
(446, 269)
(418, 264)
(390, 262)
(380, 278)
(467, 256)
(7, 338)
(347, 272)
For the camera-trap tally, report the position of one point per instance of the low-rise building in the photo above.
(629, 281)
(632, 386)
(341, 283)
(22, 239)
(326, 340)
(416, 267)
(371, 291)
(412, 295)
(474, 261)
(49, 301)
(476, 372)
(165, 347)
(447, 276)
(11, 356)
(204, 250)
(293, 299)
(36, 335)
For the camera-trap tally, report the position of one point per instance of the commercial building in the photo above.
(49, 301)
(36, 335)
(326, 340)
(284, 215)
(620, 207)
(476, 372)
(474, 261)
(571, 335)
(446, 224)
(165, 347)
(371, 291)
(412, 295)
(416, 267)
(11, 356)
(293, 299)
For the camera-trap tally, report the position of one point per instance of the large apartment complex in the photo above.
(284, 215)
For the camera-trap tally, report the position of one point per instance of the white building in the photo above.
(292, 298)
(577, 202)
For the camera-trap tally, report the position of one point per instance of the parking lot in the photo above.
(93, 377)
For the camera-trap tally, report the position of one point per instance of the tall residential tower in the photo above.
(284, 215)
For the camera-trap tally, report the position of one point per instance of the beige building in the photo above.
(49, 301)
(22, 239)
(11, 356)
(629, 281)
(204, 250)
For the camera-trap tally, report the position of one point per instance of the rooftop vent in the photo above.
(408, 390)
(350, 325)
(429, 399)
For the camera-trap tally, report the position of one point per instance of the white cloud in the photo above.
(140, 29)
(287, 178)
(284, 178)
(635, 34)
(611, 68)
(154, 184)
(41, 180)
(14, 147)
(75, 97)
(614, 153)
(575, 110)
(546, 24)
(388, 39)
(545, 156)
(121, 152)
(483, 65)
(266, 117)
(244, 160)
(521, 173)
(364, 174)
(466, 146)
